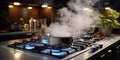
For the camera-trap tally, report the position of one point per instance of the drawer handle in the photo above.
(102, 55)
(109, 51)
(29, 34)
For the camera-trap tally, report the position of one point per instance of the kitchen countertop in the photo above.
(106, 42)
(18, 32)
(14, 54)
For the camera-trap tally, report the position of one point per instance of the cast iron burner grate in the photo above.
(36, 46)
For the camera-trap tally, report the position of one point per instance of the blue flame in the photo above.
(29, 46)
(59, 53)
(43, 41)
(55, 50)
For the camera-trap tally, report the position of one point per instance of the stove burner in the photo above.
(42, 46)
(86, 36)
(43, 40)
(29, 46)
(59, 53)
(70, 50)
(54, 50)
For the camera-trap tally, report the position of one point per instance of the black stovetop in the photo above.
(40, 46)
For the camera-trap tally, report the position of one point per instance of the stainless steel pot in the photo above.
(63, 41)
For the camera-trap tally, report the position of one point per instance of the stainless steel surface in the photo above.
(106, 43)
(24, 55)
(65, 41)
(11, 54)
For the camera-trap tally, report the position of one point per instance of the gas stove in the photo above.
(41, 46)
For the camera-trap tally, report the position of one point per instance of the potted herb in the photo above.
(108, 20)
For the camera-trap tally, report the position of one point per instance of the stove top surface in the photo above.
(41, 47)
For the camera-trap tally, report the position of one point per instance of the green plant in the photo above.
(109, 18)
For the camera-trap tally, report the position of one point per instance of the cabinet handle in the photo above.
(102, 55)
(29, 34)
(109, 51)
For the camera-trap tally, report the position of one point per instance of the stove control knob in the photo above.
(93, 49)
(96, 47)
(83, 47)
(100, 46)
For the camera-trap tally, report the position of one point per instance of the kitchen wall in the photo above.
(17, 12)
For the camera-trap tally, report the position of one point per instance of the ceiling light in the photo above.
(49, 7)
(44, 5)
(16, 3)
(10, 6)
(29, 7)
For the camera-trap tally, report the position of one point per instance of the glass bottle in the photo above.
(32, 24)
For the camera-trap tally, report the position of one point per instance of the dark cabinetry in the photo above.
(3, 15)
(110, 53)
(17, 35)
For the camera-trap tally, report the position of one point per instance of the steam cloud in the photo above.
(75, 20)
